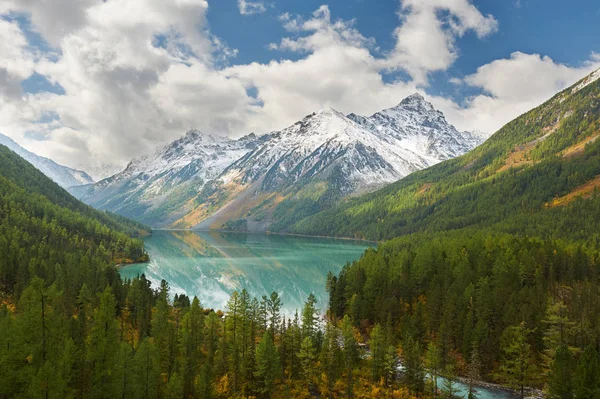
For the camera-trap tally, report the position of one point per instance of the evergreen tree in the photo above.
(350, 354)
(517, 368)
(586, 379)
(414, 374)
(449, 389)
(274, 310)
(560, 384)
(310, 317)
(146, 371)
(308, 360)
(378, 347)
(433, 362)
(104, 347)
(390, 365)
(473, 372)
(267, 366)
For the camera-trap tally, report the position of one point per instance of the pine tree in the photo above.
(308, 360)
(449, 389)
(192, 332)
(310, 317)
(517, 368)
(164, 332)
(104, 346)
(586, 379)
(146, 371)
(414, 371)
(473, 371)
(560, 384)
(558, 328)
(274, 311)
(433, 362)
(350, 353)
(390, 365)
(378, 347)
(331, 355)
(267, 366)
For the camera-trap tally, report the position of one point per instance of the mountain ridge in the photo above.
(65, 177)
(528, 171)
(304, 168)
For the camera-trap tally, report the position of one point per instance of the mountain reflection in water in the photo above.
(213, 265)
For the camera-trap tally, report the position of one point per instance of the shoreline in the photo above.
(269, 233)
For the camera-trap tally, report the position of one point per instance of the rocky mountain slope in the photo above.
(268, 182)
(538, 175)
(62, 175)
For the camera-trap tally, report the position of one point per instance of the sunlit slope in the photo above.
(526, 178)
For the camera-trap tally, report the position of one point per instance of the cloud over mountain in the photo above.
(126, 77)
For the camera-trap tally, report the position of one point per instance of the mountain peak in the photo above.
(416, 102)
(328, 112)
(197, 136)
(194, 134)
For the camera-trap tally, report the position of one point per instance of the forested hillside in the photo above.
(518, 311)
(526, 178)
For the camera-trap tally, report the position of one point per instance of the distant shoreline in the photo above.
(270, 233)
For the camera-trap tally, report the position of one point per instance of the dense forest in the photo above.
(528, 170)
(498, 281)
(518, 311)
(522, 312)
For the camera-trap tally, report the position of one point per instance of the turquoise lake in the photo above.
(212, 265)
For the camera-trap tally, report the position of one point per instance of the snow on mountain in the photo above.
(208, 181)
(318, 142)
(62, 175)
(416, 125)
(153, 188)
(101, 172)
(586, 81)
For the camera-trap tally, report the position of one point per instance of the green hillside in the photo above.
(525, 178)
(47, 233)
(493, 271)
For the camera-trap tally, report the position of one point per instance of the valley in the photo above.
(261, 199)
(269, 182)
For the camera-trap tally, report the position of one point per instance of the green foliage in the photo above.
(45, 232)
(518, 368)
(414, 375)
(465, 296)
(473, 192)
(587, 374)
(267, 365)
(561, 375)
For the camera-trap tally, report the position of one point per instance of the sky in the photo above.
(91, 83)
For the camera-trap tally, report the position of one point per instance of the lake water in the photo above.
(213, 265)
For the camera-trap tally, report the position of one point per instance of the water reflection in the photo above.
(212, 265)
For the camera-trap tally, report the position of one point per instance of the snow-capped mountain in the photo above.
(416, 125)
(268, 182)
(101, 172)
(62, 175)
(156, 188)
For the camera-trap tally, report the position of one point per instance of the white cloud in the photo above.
(16, 62)
(515, 85)
(251, 7)
(338, 71)
(138, 73)
(426, 39)
(111, 65)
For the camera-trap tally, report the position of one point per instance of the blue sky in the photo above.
(565, 31)
(91, 83)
